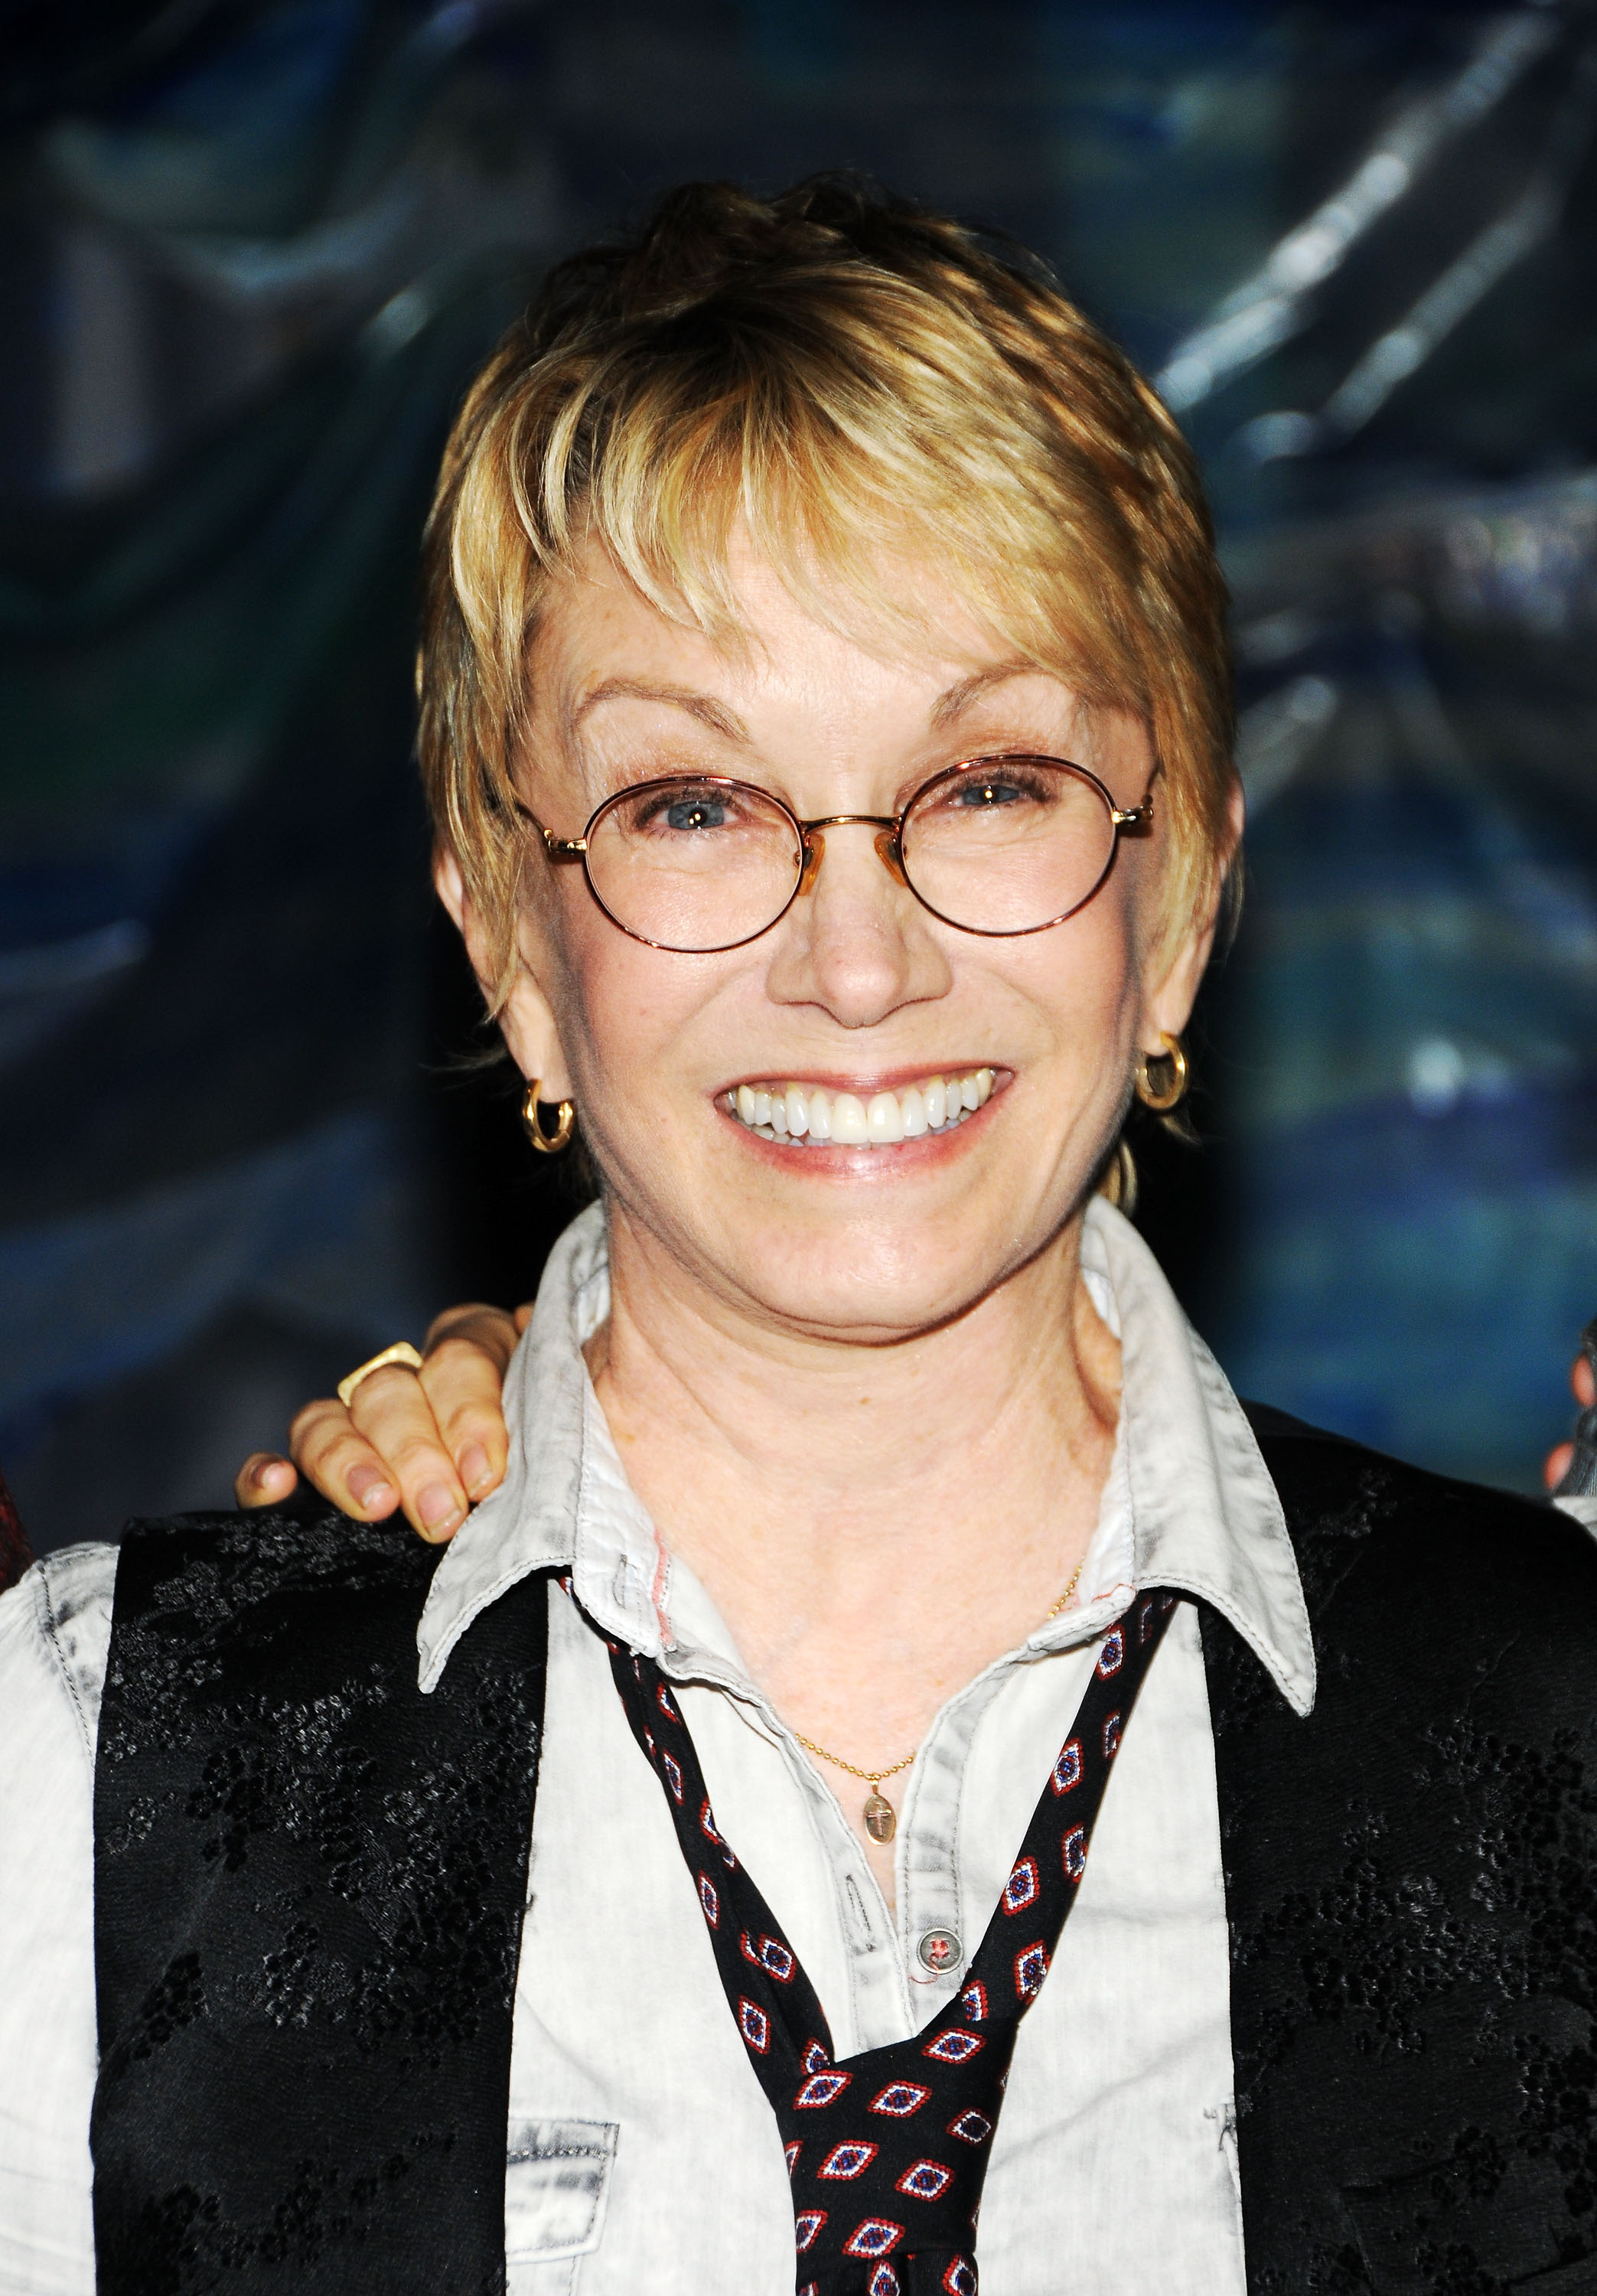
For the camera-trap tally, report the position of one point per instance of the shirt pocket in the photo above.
(556, 2185)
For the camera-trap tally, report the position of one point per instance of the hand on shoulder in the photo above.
(430, 1442)
(1556, 1466)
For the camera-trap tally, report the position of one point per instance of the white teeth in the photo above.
(849, 1128)
(795, 1112)
(884, 1119)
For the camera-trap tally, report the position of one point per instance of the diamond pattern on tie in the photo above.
(770, 1955)
(927, 2180)
(876, 2236)
(1022, 1889)
(844, 2163)
(1067, 1770)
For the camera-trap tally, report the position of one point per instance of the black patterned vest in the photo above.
(309, 1887)
(309, 1883)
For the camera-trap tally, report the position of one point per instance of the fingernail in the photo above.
(436, 1506)
(367, 1488)
(473, 1466)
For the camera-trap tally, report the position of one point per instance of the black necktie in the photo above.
(887, 2151)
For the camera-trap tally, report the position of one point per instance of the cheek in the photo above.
(1081, 981)
(628, 1015)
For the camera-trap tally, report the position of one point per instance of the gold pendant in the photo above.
(882, 1819)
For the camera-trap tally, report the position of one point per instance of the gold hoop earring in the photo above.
(547, 1143)
(1162, 1100)
(1118, 1183)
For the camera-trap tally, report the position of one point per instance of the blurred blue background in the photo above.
(249, 254)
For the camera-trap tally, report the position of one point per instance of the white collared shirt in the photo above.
(641, 2153)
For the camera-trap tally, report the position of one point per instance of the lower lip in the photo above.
(857, 1163)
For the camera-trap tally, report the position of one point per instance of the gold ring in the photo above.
(401, 1352)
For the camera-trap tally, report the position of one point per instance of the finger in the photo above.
(1584, 1383)
(344, 1467)
(524, 1314)
(1557, 1464)
(390, 1410)
(489, 1328)
(463, 1380)
(264, 1479)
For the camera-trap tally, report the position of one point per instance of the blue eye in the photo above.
(696, 813)
(981, 796)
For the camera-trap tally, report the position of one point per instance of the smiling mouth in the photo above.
(813, 1116)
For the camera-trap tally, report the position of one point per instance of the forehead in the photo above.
(600, 647)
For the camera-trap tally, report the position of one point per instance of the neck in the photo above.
(874, 1523)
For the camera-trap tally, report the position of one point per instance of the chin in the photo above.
(872, 1288)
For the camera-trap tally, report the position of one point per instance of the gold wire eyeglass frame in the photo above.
(1136, 821)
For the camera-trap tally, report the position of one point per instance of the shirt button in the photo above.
(939, 1951)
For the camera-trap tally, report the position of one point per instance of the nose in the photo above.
(856, 941)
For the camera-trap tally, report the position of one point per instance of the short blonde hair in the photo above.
(852, 381)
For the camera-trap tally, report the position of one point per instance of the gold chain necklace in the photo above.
(882, 1819)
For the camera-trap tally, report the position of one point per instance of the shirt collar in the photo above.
(530, 1523)
(1204, 1515)
(1189, 1504)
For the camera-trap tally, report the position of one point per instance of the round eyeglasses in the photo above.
(996, 846)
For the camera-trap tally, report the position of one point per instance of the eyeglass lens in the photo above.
(1008, 846)
(1004, 846)
(694, 866)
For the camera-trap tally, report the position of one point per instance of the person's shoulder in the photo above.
(74, 1583)
(294, 1586)
(54, 1633)
(54, 1625)
(197, 1577)
(238, 1558)
(1362, 1520)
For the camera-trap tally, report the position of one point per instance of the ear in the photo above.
(527, 1020)
(1168, 1005)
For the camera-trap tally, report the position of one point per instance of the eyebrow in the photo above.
(957, 700)
(945, 711)
(708, 711)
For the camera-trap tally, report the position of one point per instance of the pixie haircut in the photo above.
(861, 389)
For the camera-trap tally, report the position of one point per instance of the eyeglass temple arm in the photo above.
(557, 849)
(1136, 817)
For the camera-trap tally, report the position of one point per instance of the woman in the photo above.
(825, 718)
